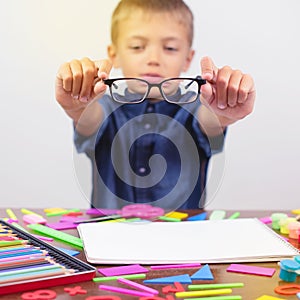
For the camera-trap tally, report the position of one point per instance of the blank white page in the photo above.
(209, 241)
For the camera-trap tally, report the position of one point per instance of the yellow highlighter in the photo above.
(29, 212)
(203, 293)
(11, 214)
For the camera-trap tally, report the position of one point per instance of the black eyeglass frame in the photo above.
(198, 79)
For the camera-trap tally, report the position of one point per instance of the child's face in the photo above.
(152, 47)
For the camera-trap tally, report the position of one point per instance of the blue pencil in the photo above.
(25, 267)
(10, 249)
(22, 253)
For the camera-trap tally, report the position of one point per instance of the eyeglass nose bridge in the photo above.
(158, 85)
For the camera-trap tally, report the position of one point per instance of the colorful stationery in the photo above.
(26, 259)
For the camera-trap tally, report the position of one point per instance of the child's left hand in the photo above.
(228, 93)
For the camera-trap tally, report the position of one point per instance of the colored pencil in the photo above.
(30, 269)
(22, 253)
(23, 256)
(24, 264)
(10, 243)
(16, 248)
(34, 275)
(22, 261)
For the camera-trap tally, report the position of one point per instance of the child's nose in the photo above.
(153, 57)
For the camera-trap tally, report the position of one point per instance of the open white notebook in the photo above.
(211, 241)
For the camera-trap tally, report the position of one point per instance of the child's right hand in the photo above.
(75, 88)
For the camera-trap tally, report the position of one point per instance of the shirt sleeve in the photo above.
(86, 144)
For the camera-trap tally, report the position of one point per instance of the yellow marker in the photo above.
(114, 220)
(29, 212)
(62, 212)
(177, 215)
(53, 209)
(266, 297)
(11, 214)
(203, 293)
(296, 211)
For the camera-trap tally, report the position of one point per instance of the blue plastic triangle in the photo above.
(203, 274)
(198, 217)
(185, 278)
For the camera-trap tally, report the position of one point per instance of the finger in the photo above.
(207, 93)
(88, 71)
(233, 88)
(208, 69)
(246, 88)
(222, 82)
(76, 70)
(104, 67)
(64, 77)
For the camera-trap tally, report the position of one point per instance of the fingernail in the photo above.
(84, 99)
(222, 106)
(207, 75)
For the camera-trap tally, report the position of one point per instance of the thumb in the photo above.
(208, 69)
(103, 68)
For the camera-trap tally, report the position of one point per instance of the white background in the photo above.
(36, 154)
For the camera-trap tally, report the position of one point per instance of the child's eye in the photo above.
(171, 49)
(136, 47)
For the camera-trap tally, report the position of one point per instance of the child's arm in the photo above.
(76, 93)
(228, 96)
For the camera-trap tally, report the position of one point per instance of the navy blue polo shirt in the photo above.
(149, 153)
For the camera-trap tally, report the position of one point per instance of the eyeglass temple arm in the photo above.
(198, 79)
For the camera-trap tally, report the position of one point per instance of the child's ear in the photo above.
(188, 61)
(112, 54)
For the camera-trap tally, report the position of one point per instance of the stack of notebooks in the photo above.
(210, 241)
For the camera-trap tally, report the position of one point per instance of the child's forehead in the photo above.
(142, 19)
(164, 22)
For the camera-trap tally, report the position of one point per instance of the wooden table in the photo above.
(254, 286)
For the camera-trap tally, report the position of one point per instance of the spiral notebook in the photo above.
(210, 241)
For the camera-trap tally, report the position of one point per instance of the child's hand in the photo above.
(75, 88)
(228, 93)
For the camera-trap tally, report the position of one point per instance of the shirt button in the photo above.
(150, 109)
(147, 126)
(142, 170)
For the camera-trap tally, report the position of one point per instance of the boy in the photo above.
(153, 150)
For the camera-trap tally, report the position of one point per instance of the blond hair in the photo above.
(177, 8)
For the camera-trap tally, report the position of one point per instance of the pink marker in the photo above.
(266, 220)
(124, 291)
(43, 238)
(138, 286)
(34, 219)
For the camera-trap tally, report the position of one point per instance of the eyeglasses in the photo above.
(172, 90)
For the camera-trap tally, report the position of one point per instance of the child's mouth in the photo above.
(152, 78)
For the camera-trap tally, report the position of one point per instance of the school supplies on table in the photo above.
(208, 241)
(62, 236)
(25, 259)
